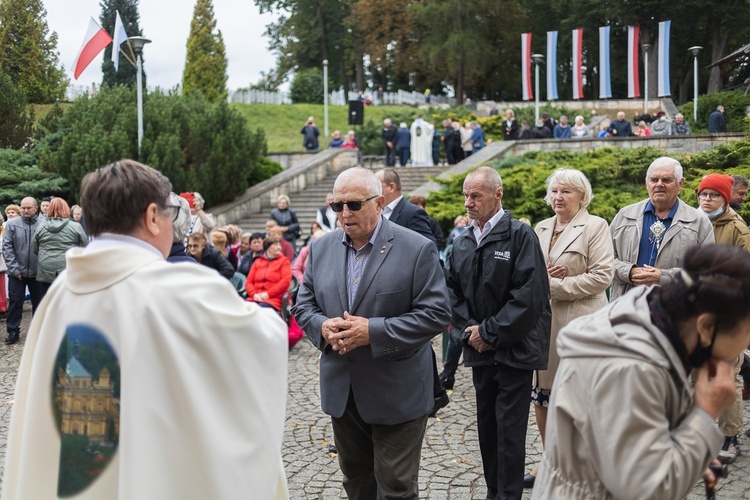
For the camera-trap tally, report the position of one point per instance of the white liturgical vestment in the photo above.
(143, 379)
(421, 143)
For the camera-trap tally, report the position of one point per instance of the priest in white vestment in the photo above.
(421, 143)
(143, 379)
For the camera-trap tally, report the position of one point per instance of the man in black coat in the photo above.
(401, 212)
(716, 122)
(620, 127)
(501, 309)
(450, 137)
(388, 134)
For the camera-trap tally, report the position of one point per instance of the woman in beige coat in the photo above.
(578, 249)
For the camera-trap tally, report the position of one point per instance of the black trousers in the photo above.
(503, 399)
(16, 294)
(390, 156)
(378, 461)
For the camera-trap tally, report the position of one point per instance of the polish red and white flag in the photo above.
(95, 41)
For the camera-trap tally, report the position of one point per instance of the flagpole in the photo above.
(645, 80)
(695, 50)
(128, 57)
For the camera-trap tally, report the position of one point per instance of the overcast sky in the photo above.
(167, 24)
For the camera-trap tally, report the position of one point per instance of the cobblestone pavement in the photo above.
(451, 465)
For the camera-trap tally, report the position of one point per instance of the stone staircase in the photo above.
(306, 202)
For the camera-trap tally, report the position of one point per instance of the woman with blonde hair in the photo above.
(286, 219)
(220, 241)
(580, 258)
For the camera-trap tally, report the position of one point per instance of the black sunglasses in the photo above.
(354, 206)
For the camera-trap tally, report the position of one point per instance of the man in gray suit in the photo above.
(373, 296)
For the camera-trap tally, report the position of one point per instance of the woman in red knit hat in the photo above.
(714, 193)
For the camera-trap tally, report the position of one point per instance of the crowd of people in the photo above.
(574, 317)
(425, 144)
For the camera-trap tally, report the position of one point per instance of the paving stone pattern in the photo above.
(451, 465)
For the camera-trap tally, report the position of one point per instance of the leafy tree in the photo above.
(20, 177)
(309, 31)
(206, 63)
(50, 123)
(15, 124)
(307, 86)
(199, 145)
(457, 35)
(391, 45)
(28, 53)
(128, 9)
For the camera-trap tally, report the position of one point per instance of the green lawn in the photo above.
(282, 124)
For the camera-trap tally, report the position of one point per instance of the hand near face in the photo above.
(714, 387)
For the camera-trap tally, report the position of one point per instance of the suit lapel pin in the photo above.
(382, 250)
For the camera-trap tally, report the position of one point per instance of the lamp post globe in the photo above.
(538, 59)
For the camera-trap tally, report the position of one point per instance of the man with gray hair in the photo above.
(180, 227)
(372, 298)
(680, 126)
(21, 263)
(141, 378)
(501, 313)
(650, 237)
(739, 192)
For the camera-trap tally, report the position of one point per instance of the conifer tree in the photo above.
(28, 52)
(128, 10)
(206, 60)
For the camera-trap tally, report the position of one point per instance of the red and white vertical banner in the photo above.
(634, 84)
(578, 63)
(528, 92)
(664, 85)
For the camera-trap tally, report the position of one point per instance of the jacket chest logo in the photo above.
(502, 255)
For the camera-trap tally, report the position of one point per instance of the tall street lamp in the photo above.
(137, 42)
(695, 49)
(538, 60)
(325, 97)
(645, 47)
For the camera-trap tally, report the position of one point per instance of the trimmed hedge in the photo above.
(616, 175)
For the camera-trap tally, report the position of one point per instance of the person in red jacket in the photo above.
(270, 276)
